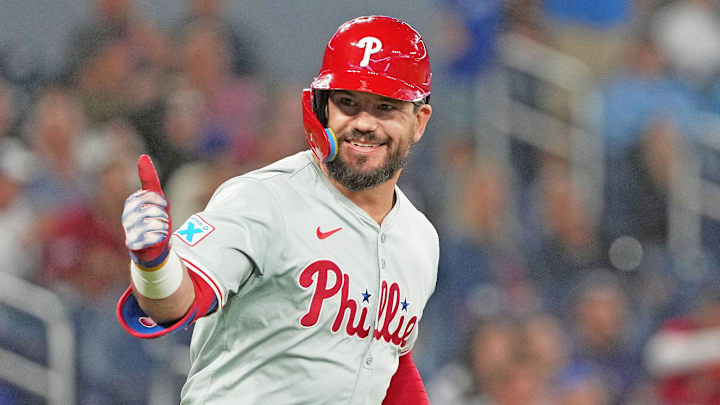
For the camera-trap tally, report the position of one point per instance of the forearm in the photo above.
(173, 307)
(150, 311)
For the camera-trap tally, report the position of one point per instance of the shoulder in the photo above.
(283, 168)
(421, 235)
(417, 219)
(264, 182)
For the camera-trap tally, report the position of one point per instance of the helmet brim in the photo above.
(369, 82)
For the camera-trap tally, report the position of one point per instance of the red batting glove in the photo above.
(146, 218)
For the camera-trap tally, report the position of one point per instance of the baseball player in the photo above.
(306, 279)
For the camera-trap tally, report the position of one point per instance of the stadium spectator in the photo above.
(683, 356)
(487, 358)
(119, 61)
(233, 104)
(55, 131)
(569, 381)
(638, 195)
(481, 269)
(599, 335)
(82, 250)
(595, 33)
(569, 245)
(467, 37)
(643, 90)
(241, 52)
(16, 215)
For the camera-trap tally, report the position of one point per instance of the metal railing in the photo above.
(572, 134)
(691, 196)
(55, 381)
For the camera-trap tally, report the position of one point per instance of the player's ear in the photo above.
(421, 119)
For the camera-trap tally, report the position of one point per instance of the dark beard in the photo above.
(355, 180)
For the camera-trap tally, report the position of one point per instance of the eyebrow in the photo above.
(391, 100)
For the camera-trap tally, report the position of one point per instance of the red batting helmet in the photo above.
(376, 54)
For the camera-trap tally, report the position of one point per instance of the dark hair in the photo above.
(418, 104)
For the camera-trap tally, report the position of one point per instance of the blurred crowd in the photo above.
(540, 299)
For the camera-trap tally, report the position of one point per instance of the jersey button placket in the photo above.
(375, 322)
(383, 238)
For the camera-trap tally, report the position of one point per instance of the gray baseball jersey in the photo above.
(316, 300)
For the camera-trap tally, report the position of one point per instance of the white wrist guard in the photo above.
(160, 281)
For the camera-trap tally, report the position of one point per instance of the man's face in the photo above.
(375, 135)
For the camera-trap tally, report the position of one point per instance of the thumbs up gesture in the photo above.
(146, 219)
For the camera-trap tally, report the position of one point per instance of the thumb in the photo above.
(148, 175)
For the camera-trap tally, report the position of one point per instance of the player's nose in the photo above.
(364, 122)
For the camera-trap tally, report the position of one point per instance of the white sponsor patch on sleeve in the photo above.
(194, 230)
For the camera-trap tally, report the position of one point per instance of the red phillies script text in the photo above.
(317, 275)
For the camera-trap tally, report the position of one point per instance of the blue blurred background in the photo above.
(571, 168)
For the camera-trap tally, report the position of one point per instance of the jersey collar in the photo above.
(340, 198)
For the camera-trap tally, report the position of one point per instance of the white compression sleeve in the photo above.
(159, 282)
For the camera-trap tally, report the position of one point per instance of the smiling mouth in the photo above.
(364, 145)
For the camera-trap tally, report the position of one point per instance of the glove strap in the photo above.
(140, 257)
(152, 256)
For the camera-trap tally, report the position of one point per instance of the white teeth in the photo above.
(364, 145)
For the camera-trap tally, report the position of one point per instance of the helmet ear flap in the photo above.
(321, 140)
(320, 105)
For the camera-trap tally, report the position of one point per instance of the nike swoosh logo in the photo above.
(323, 235)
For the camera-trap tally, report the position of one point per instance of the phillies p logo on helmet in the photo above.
(372, 45)
(379, 55)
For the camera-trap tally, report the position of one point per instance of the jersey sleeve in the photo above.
(406, 386)
(136, 322)
(232, 239)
